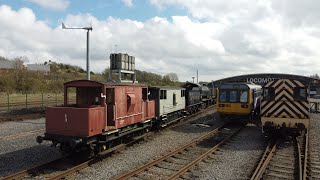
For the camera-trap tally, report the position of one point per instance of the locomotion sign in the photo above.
(260, 81)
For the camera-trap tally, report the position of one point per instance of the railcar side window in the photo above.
(233, 96)
(243, 96)
(163, 94)
(223, 96)
(299, 93)
(268, 94)
(183, 93)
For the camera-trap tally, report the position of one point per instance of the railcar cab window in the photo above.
(268, 94)
(233, 96)
(223, 96)
(163, 94)
(299, 93)
(243, 96)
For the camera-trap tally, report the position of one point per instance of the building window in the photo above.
(163, 94)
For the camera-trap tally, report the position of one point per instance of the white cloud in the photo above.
(233, 38)
(52, 4)
(127, 3)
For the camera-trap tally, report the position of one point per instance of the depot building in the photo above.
(262, 79)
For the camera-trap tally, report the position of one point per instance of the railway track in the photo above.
(21, 134)
(64, 166)
(68, 167)
(313, 163)
(176, 163)
(188, 119)
(283, 160)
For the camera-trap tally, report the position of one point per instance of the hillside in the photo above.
(20, 80)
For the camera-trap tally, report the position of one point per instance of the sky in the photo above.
(218, 38)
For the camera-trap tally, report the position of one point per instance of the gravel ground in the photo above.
(23, 152)
(314, 146)
(15, 127)
(236, 160)
(145, 151)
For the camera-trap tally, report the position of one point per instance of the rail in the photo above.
(297, 169)
(186, 167)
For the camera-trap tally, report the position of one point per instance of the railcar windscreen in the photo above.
(233, 96)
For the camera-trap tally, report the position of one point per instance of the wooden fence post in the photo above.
(26, 100)
(42, 99)
(8, 101)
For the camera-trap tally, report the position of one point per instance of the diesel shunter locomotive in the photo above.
(284, 106)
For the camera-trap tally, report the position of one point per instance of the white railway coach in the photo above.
(169, 102)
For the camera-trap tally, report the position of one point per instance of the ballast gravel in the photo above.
(235, 160)
(15, 127)
(314, 147)
(23, 152)
(145, 151)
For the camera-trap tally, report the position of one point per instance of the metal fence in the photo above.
(24, 101)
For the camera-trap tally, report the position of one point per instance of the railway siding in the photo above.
(235, 160)
(139, 154)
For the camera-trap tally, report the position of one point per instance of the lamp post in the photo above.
(87, 29)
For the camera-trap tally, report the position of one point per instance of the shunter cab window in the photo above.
(300, 93)
(268, 94)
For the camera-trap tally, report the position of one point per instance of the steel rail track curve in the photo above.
(293, 160)
(186, 167)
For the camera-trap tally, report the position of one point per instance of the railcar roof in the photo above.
(239, 86)
(166, 87)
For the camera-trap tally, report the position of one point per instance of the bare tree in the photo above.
(173, 77)
(316, 76)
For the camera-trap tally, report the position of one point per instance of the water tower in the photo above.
(123, 65)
